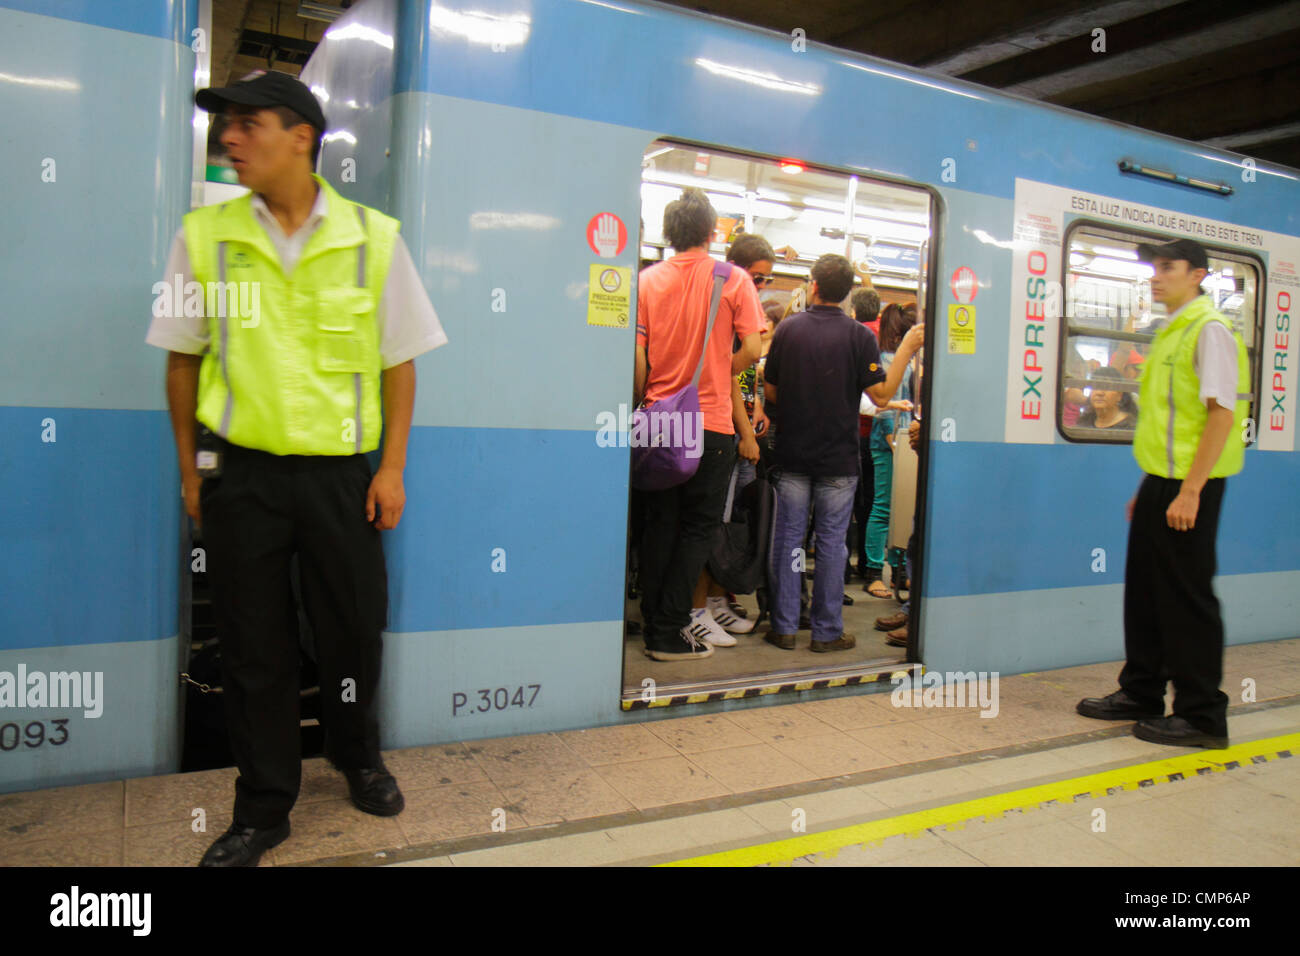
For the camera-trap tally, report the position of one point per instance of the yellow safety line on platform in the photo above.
(1092, 785)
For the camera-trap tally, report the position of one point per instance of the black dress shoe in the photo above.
(375, 791)
(1117, 706)
(1177, 732)
(244, 846)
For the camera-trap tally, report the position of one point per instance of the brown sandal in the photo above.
(877, 589)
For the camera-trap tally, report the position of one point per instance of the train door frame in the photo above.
(927, 295)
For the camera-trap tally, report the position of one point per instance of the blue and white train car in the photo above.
(97, 101)
(500, 134)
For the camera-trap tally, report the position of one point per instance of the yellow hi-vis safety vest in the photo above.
(293, 367)
(1171, 415)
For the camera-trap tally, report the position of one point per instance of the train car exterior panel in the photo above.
(96, 184)
(1020, 631)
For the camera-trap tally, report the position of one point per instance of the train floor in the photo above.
(754, 657)
(845, 780)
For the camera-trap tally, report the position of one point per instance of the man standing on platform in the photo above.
(300, 361)
(1190, 437)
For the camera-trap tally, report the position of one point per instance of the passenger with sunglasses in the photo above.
(754, 254)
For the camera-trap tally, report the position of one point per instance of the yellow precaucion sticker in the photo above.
(609, 295)
(961, 330)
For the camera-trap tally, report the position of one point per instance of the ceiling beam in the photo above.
(1208, 40)
(1271, 52)
(932, 33)
(1160, 28)
(1210, 111)
(1039, 32)
(1255, 137)
(1285, 152)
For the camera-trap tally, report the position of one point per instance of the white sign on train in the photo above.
(1042, 213)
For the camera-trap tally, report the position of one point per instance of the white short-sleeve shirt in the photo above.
(1215, 363)
(408, 324)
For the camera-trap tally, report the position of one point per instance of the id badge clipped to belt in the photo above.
(208, 456)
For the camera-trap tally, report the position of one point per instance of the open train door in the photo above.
(886, 229)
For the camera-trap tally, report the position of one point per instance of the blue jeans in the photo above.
(832, 505)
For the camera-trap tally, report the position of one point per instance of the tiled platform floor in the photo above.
(1247, 816)
(580, 784)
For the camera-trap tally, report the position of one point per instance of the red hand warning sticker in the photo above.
(964, 285)
(606, 235)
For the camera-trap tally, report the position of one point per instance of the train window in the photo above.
(804, 213)
(1110, 321)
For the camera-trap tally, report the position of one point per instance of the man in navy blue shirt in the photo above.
(819, 364)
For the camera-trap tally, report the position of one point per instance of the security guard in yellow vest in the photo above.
(295, 318)
(1191, 435)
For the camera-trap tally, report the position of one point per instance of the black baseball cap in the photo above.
(1188, 249)
(265, 88)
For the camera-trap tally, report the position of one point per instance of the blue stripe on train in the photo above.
(553, 502)
(1025, 517)
(81, 519)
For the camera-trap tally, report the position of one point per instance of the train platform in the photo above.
(849, 780)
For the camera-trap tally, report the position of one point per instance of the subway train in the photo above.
(528, 147)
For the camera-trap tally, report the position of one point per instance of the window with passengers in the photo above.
(1110, 321)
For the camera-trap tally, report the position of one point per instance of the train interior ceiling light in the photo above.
(792, 205)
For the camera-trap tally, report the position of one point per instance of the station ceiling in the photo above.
(1222, 74)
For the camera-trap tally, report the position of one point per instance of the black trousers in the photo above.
(676, 541)
(1172, 627)
(261, 511)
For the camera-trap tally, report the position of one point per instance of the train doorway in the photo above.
(886, 231)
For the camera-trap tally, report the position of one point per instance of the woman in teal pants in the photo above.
(894, 323)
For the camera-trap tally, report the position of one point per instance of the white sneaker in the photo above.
(717, 608)
(700, 617)
(696, 634)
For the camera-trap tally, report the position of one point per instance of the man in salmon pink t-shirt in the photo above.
(672, 316)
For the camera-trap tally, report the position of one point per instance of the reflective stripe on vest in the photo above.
(361, 284)
(225, 350)
(1173, 406)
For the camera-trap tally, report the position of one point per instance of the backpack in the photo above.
(738, 560)
(659, 462)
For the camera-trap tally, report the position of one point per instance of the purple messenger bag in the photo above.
(667, 438)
